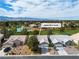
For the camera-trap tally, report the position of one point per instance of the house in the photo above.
(60, 39)
(43, 40)
(75, 38)
(15, 40)
(33, 25)
(43, 43)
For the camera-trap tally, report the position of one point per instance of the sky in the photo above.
(51, 9)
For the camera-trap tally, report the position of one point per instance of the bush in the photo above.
(33, 43)
(70, 43)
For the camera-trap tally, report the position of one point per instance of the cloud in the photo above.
(63, 9)
(5, 5)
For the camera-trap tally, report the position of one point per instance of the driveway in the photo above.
(61, 51)
(71, 50)
(2, 53)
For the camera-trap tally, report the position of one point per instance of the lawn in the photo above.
(58, 32)
(71, 32)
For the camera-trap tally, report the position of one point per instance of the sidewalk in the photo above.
(2, 53)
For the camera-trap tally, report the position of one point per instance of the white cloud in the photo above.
(42, 8)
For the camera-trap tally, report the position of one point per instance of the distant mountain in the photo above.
(5, 18)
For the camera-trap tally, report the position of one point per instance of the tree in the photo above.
(8, 33)
(72, 25)
(24, 32)
(33, 43)
(49, 32)
(50, 43)
(7, 23)
(62, 27)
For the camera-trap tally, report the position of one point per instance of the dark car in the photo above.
(7, 49)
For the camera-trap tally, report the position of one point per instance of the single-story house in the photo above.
(15, 40)
(60, 39)
(33, 25)
(43, 43)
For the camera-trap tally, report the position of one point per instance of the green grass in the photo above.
(58, 32)
(43, 32)
(71, 32)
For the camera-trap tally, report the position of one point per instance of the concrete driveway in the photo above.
(2, 53)
(71, 50)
